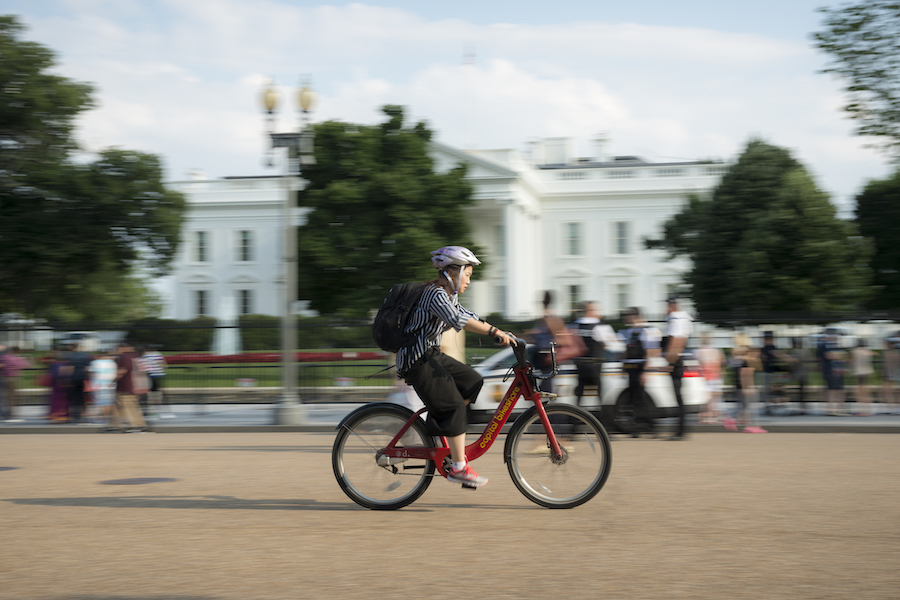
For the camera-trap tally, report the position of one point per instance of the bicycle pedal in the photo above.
(469, 487)
(548, 395)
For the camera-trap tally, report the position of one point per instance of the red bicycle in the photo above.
(558, 455)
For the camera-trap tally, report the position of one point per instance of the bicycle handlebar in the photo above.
(521, 352)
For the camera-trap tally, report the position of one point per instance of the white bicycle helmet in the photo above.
(453, 255)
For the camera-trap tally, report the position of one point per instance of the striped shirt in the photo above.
(435, 313)
(154, 363)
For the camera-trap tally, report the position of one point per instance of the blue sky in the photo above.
(663, 80)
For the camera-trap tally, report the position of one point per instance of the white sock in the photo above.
(458, 466)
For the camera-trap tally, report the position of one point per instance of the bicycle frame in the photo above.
(522, 386)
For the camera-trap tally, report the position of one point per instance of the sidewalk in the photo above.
(193, 418)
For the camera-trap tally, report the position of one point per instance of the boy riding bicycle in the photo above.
(444, 384)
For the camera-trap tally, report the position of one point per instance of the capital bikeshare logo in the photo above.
(499, 417)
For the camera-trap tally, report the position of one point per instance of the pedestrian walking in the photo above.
(890, 374)
(862, 369)
(126, 408)
(799, 371)
(743, 364)
(551, 329)
(678, 329)
(13, 364)
(78, 361)
(599, 339)
(103, 371)
(154, 364)
(711, 361)
(4, 406)
(58, 378)
(831, 361)
(642, 346)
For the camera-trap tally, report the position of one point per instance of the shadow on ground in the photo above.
(155, 597)
(187, 502)
(309, 449)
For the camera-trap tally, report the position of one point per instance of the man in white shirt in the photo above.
(678, 330)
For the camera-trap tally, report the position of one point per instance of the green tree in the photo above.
(768, 240)
(378, 208)
(878, 217)
(862, 41)
(77, 240)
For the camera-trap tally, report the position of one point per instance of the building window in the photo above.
(245, 299)
(572, 239)
(574, 297)
(572, 175)
(620, 237)
(623, 296)
(201, 303)
(244, 246)
(202, 246)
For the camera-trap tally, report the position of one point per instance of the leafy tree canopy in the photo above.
(74, 237)
(878, 216)
(862, 39)
(768, 240)
(378, 208)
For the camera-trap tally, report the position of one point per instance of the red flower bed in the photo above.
(269, 357)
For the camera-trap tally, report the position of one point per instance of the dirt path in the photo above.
(259, 516)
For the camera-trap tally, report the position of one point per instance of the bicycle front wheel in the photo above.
(385, 484)
(558, 482)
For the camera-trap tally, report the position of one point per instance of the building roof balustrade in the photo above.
(577, 173)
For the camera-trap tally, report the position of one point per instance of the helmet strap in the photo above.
(455, 286)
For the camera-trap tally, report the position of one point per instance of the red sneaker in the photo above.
(466, 476)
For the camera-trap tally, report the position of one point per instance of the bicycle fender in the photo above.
(401, 411)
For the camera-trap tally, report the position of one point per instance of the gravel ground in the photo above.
(259, 516)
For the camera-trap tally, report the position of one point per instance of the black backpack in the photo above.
(634, 347)
(389, 323)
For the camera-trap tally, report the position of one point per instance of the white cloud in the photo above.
(183, 79)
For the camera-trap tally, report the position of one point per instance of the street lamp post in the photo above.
(299, 151)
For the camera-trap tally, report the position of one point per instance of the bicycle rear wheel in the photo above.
(388, 484)
(567, 481)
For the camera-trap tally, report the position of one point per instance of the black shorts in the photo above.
(444, 384)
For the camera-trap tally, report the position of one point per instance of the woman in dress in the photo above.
(59, 372)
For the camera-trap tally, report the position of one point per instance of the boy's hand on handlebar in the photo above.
(504, 339)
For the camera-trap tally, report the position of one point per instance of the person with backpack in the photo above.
(641, 345)
(599, 338)
(79, 361)
(444, 384)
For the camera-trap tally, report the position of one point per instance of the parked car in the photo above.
(615, 382)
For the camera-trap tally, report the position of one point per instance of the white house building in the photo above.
(548, 220)
(230, 259)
